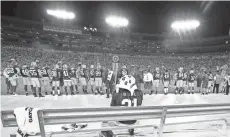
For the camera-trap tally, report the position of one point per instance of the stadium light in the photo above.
(116, 21)
(185, 25)
(61, 14)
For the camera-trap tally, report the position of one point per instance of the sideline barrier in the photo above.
(86, 115)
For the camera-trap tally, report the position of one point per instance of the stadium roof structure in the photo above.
(25, 29)
(153, 17)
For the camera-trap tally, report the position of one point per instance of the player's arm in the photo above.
(5, 73)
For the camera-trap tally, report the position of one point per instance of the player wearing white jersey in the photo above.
(148, 81)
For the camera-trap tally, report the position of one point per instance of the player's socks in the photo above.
(25, 88)
(66, 92)
(13, 90)
(31, 86)
(107, 92)
(58, 90)
(71, 88)
(40, 92)
(76, 88)
(189, 91)
(165, 91)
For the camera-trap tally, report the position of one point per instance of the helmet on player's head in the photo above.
(157, 69)
(65, 66)
(83, 66)
(127, 82)
(37, 61)
(180, 69)
(98, 65)
(166, 70)
(33, 64)
(91, 66)
(124, 67)
(56, 66)
(24, 66)
(191, 71)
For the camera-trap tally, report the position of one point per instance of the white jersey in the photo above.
(27, 120)
(110, 75)
(148, 77)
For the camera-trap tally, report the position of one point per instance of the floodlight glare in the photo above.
(61, 14)
(116, 21)
(185, 25)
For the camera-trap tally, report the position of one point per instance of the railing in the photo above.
(85, 115)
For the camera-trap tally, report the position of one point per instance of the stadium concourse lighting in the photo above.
(116, 21)
(61, 14)
(185, 25)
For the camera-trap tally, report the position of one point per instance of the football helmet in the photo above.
(98, 65)
(91, 66)
(124, 67)
(157, 69)
(127, 82)
(191, 71)
(24, 66)
(83, 66)
(33, 64)
(180, 69)
(65, 66)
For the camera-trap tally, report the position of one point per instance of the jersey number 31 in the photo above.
(129, 102)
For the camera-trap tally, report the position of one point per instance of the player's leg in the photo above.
(166, 87)
(58, 85)
(38, 85)
(24, 81)
(13, 83)
(189, 87)
(157, 86)
(227, 88)
(34, 87)
(177, 87)
(65, 87)
(153, 87)
(96, 86)
(53, 87)
(150, 87)
(8, 86)
(46, 85)
(71, 87)
(75, 84)
(101, 86)
(107, 89)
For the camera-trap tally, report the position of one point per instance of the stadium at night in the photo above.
(115, 68)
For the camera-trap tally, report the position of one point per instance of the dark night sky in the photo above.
(148, 17)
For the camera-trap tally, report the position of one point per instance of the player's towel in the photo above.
(27, 120)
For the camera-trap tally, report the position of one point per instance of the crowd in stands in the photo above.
(25, 55)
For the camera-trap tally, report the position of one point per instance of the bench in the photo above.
(86, 115)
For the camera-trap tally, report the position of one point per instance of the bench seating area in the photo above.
(86, 115)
